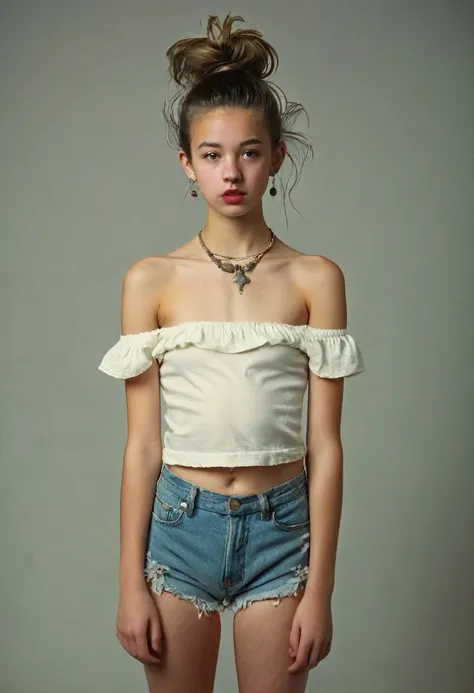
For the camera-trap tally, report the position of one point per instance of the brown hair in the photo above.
(230, 68)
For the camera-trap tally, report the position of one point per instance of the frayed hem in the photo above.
(202, 606)
(291, 589)
(154, 574)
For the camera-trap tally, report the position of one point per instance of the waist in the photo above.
(239, 481)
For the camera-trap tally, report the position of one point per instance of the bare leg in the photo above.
(190, 648)
(261, 642)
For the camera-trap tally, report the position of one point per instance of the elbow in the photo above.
(328, 452)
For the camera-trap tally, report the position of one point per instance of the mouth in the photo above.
(233, 196)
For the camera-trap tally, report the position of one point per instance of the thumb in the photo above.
(155, 634)
(294, 639)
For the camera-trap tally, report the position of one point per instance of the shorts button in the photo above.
(234, 503)
(227, 582)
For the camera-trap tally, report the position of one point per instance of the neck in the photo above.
(235, 237)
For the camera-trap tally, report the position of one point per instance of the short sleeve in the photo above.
(131, 355)
(333, 353)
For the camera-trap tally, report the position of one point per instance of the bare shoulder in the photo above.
(147, 270)
(156, 270)
(142, 286)
(322, 282)
(318, 268)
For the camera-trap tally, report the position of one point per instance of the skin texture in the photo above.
(287, 286)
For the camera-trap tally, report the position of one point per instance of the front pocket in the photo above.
(292, 515)
(165, 513)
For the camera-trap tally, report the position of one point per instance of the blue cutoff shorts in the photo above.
(226, 551)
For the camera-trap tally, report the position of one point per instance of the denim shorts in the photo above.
(226, 551)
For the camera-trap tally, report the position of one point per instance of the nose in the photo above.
(231, 171)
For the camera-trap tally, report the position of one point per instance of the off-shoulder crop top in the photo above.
(233, 391)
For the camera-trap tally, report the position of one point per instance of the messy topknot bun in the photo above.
(193, 59)
(229, 68)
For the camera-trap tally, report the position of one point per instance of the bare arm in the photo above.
(142, 455)
(324, 459)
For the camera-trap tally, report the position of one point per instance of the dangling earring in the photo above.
(193, 191)
(273, 190)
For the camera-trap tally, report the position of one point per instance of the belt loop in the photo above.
(265, 512)
(189, 502)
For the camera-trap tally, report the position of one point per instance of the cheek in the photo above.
(258, 173)
(210, 183)
(207, 168)
(206, 175)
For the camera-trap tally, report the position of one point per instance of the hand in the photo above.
(311, 632)
(138, 625)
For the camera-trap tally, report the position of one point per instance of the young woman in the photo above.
(231, 327)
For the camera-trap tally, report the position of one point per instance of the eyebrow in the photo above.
(252, 140)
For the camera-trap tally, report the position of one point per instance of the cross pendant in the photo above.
(240, 278)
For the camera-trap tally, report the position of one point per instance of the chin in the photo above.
(235, 210)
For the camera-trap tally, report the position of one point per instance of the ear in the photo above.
(278, 157)
(186, 165)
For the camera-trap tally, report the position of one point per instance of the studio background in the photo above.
(89, 186)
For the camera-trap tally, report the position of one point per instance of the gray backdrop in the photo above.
(89, 186)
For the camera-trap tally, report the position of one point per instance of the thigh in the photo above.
(190, 648)
(265, 668)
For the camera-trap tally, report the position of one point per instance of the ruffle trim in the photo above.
(332, 353)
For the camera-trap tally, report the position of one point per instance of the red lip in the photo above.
(232, 193)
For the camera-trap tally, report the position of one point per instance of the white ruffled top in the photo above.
(233, 391)
(332, 353)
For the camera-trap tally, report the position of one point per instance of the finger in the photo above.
(301, 661)
(129, 644)
(326, 650)
(156, 635)
(312, 658)
(294, 641)
(144, 653)
(122, 640)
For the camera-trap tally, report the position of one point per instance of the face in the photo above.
(231, 150)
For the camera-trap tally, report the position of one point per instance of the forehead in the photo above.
(228, 125)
